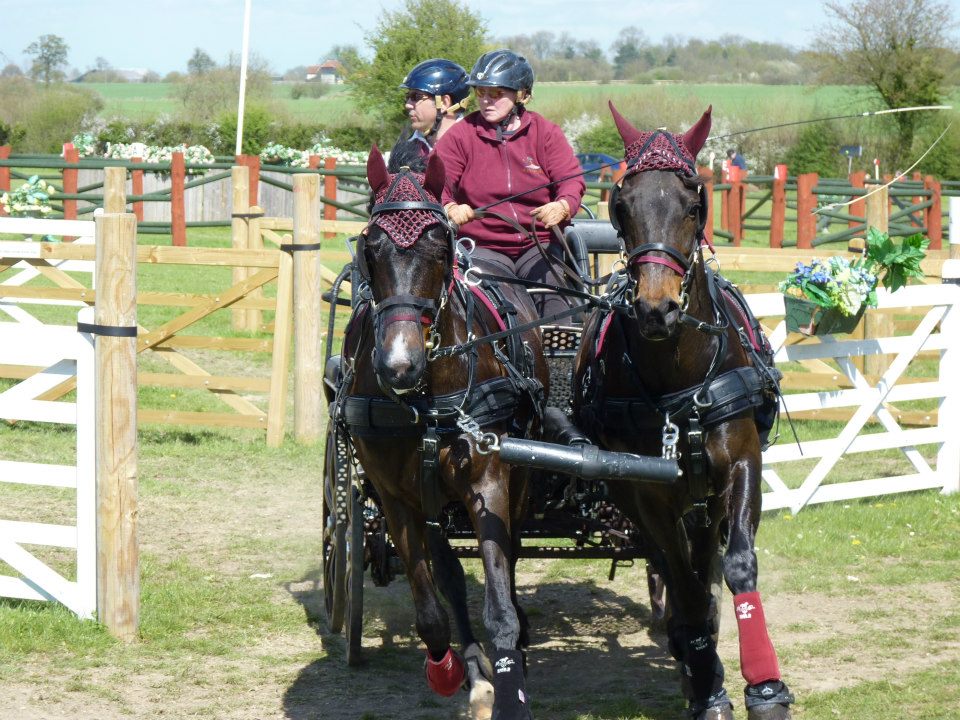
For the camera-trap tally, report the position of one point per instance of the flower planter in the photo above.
(807, 318)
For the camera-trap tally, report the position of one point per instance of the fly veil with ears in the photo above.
(405, 205)
(661, 150)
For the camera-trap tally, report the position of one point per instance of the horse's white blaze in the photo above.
(399, 354)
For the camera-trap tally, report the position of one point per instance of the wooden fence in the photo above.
(785, 210)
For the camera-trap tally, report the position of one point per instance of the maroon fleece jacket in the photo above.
(480, 169)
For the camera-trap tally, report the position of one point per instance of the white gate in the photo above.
(938, 329)
(54, 353)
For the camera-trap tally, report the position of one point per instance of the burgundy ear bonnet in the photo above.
(661, 150)
(403, 226)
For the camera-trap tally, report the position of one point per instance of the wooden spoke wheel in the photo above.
(333, 567)
(354, 578)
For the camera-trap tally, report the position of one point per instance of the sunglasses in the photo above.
(414, 98)
(490, 93)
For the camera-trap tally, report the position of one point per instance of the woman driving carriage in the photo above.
(436, 91)
(516, 162)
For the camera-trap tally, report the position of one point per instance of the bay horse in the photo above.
(682, 369)
(422, 425)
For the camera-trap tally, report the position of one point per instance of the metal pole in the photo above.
(244, 51)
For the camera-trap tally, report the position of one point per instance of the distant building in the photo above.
(115, 75)
(330, 72)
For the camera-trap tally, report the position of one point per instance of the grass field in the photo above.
(144, 100)
(861, 597)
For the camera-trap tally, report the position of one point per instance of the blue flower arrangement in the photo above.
(830, 295)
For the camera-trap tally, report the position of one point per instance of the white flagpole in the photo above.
(244, 51)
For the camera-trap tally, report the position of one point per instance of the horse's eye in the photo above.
(693, 211)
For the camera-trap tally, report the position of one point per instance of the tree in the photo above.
(11, 70)
(50, 54)
(627, 50)
(401, 39)
(200, 63)
(892, 46)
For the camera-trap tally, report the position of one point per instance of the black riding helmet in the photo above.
(502, 68)
(438, 76)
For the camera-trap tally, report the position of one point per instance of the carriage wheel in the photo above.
(334, 557)
(354, 579)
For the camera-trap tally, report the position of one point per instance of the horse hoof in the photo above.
(716, 713)
(768, 701)
(446, 676)
(479, 673)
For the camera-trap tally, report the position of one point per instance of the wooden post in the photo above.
(877, 324)
(178, 210)
(114, 190)
(4, 173)
(735, 205)
(308, 358)
(778, 205)
(136, 188)
(706, 177)
(253, 162)
(725, 205)
(240, 179)
(70, 155)
(933, 215)
(857, 180)
(254, 242)
(118, 575)
(806, 205)
(954, 228)
(282, 332)
(330, 193)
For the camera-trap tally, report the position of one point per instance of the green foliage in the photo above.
(894, 264)
(817, 150)
(53, 116)
(422, 29)
(6, 133)
(208, 95)
(309, 90)
(359, 138)
(943, 162)
(257, 130)
(603, 138)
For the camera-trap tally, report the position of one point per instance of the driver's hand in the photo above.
(553, 213)
(460, 214)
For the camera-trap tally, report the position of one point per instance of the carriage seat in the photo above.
(331, 377)
(591, 237)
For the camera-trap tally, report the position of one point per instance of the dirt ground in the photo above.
(593, 649)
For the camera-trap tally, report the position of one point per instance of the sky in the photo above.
(161, 35)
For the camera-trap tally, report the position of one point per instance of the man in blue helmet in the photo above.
(436, 91)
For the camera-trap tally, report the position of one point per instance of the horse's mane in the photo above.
(407, 153)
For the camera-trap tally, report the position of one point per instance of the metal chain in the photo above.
(486, 442)
(670, 437)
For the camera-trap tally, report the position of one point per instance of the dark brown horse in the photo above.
(422, 426)
(675, 372)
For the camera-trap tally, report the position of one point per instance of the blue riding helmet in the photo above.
(502, 68)
(438, 77)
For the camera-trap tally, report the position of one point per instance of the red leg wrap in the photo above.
(446, 676)
(758, 659)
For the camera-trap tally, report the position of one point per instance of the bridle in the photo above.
(682, 265)
(426, 311)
